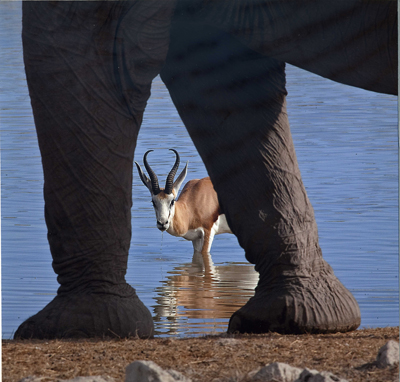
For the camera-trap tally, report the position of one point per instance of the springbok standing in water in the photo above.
(195, 216)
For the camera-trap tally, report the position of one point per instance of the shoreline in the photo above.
(208, 358)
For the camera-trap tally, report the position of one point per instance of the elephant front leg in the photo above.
(232, 102)
(89, 79)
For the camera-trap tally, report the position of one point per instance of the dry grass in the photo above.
(209, 358)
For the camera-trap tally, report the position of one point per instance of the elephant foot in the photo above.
(319, 304)
(95, 315)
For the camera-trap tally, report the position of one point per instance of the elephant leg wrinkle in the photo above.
(233, 104)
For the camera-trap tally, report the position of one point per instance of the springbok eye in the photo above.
(173, 202)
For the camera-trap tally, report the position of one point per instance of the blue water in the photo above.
(346, 143)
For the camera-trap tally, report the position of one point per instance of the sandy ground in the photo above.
(209, 358)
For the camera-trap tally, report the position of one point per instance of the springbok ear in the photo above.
(178, 182)
(146, 181)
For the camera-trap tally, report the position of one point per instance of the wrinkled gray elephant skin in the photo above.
(89, 69)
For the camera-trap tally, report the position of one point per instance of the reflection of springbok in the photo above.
(201, 295)
(195, 216)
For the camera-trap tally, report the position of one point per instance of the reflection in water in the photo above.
(204, 291)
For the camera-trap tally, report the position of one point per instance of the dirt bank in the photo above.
(209, 358)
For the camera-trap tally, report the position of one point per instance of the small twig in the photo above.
(115, 334)
(204, 361)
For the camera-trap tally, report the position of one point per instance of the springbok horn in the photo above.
(170, 178)
(152, 174)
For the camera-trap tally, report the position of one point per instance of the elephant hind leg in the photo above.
(89, 70)
(233, 104)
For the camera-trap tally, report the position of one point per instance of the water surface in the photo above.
(346, 143)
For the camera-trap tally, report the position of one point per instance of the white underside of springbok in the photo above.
(196, 236)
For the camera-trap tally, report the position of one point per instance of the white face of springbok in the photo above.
(163, 200)
(164, 207)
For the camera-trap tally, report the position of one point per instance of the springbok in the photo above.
(196, 215)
